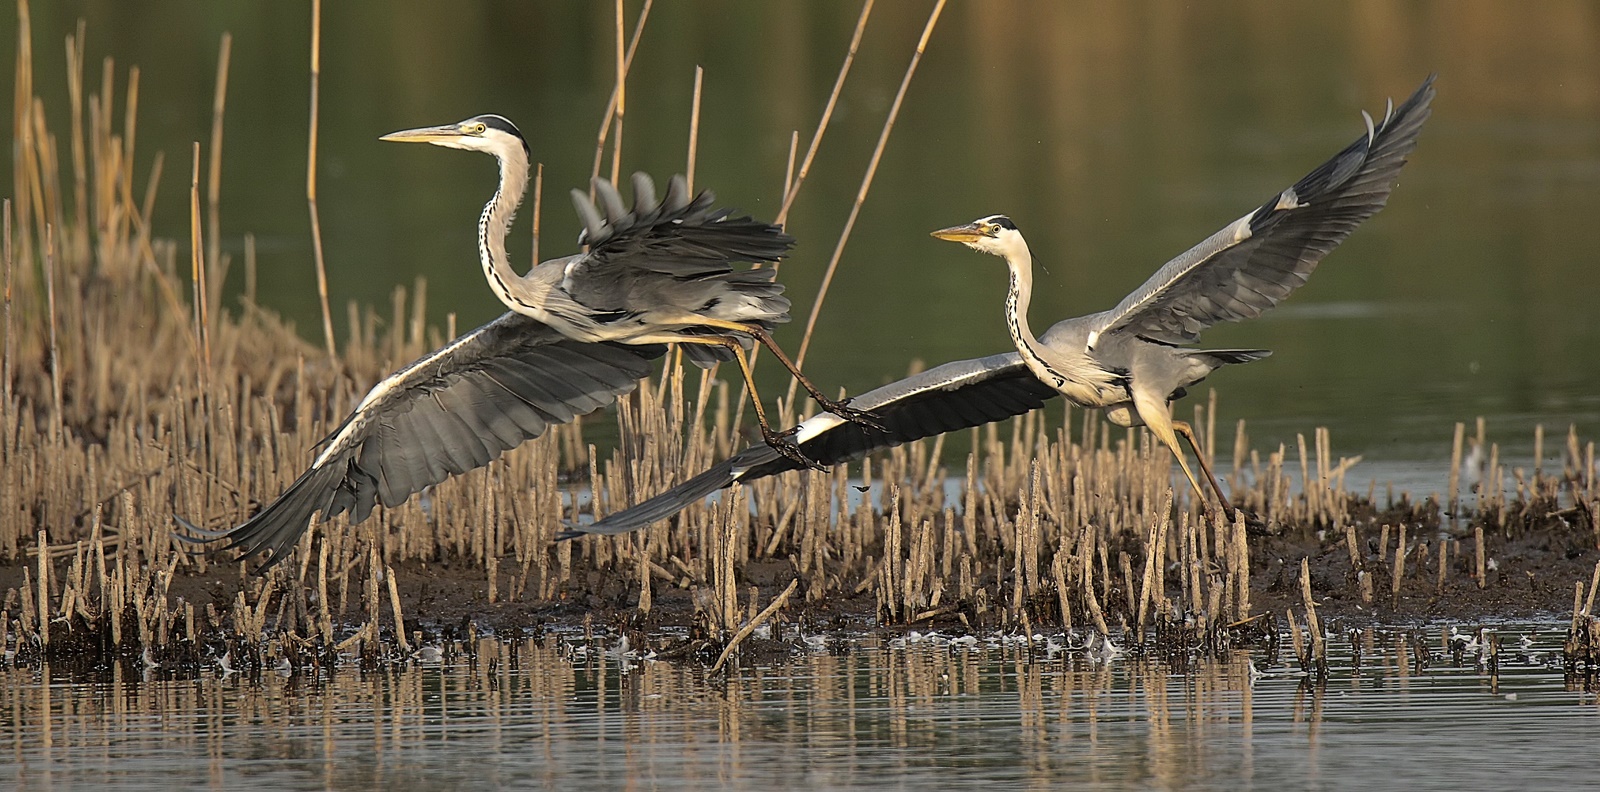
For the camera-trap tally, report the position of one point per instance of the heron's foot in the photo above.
(1253, 523)
(780, 442)
(859, 417)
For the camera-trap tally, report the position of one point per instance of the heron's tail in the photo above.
(1217, 358)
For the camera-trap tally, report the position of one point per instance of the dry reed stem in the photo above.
(80, 171)
(197, 274)
(694, 127)
(611, 104)
(311, 180)
(5, 319)
(861, 193)
(55, 346)
(24, 177)
(621, 104)
(791, 188)
(214, 172)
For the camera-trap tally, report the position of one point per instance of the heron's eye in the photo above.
(477, 128)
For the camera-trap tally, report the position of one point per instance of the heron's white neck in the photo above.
(495, 224)
(1019, 260)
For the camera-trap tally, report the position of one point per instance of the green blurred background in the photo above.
(1115, 134)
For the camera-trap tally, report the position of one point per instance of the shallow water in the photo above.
(921, 712)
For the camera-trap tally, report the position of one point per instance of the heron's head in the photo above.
(490, 134)
(995, 235)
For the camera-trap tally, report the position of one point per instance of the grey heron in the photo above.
(663, 288)
(1128, 360)
(460, 407)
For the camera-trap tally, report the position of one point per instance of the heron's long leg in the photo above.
(1153, 411)
(838, 408)
(779, 441)
(1183, 428)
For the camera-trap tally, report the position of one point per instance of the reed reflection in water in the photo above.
(913, 712)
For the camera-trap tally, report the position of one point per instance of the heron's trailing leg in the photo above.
(1183, 428)
(1153, 411)
(838, 408)
(779, 441)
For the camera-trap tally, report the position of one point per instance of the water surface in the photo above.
(915, 713)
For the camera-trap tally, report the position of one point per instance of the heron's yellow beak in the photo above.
(965, 234)
(433, 134)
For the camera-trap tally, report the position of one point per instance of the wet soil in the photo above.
(1528, 572)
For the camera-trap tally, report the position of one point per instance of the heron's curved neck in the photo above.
(495, 224)
(1073, 375)
(1019, 260)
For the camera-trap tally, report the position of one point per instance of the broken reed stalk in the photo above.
(1454, 504)
(394, 605)
(861, 194)
(750, 627)
(1480, 572)
(1399, 569)
(311, 181)
(1319, 649)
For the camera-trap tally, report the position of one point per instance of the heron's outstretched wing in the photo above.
(953, 396)
(635, 254)
(451, 411)
(1256, 261)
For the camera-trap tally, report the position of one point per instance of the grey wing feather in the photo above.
(953, 396)
(1255, 262)
(656, 247)
(449, 412)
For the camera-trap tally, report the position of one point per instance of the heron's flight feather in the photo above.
(1254, 263)
(953, 396)
(447, 413)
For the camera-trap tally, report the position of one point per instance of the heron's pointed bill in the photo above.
(965, 234)
(433, 134)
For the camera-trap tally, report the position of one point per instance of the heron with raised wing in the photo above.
(460, 407)
(667, 286)
(1128, 361)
